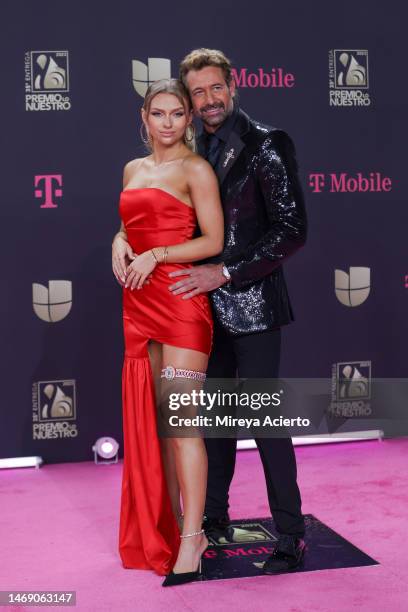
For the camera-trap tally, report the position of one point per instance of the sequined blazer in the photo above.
(265, 223)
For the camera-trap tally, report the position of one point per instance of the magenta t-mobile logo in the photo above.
(317, 182)
(49, 188)
(344, 182)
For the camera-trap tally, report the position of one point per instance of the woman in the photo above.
(164, 196)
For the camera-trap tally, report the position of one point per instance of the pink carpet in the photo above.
(59, 526)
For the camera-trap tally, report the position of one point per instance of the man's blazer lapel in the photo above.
(229, 155)
(232, 149)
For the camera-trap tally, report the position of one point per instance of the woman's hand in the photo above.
(122, 254)
(139, 270)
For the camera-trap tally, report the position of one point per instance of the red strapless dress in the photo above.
(148, 534)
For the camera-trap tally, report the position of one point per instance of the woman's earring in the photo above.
(190, 133)
(144, 136)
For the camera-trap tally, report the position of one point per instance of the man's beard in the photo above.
(216, 120)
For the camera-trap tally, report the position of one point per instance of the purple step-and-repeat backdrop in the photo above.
(75, 75)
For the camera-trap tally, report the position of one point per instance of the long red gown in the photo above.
(149, 537)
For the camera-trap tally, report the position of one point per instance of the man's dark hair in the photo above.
(201, 58)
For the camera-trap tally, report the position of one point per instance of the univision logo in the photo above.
(52, 303)
(143, 75)
(352, 288)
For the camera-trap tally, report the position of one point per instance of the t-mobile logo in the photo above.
(50, 185)
(317, 182)
(344, 182)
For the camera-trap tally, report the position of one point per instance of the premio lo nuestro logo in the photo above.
(145, 74)
(352, 288)
(353, 379)
(348, 77)
(52, 303)
(47, 80)
(54, 409)
(351, 389)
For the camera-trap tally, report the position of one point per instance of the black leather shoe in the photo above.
(287, 555)
(216, 525)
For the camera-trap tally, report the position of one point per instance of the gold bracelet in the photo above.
(154, 256)
(166, 249)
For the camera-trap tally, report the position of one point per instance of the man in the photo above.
(265, 223)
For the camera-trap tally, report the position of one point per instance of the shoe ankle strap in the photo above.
(188, 535)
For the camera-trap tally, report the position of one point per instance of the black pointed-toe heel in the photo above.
(174, 579)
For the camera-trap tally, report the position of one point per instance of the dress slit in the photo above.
(149, 536)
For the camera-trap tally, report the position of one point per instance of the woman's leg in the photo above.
(190, 456)
(155, 353)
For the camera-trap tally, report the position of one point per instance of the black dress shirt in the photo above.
(215, 142)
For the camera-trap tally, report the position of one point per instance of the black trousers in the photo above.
(255, 355)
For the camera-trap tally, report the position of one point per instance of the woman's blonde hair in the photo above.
(177, 88)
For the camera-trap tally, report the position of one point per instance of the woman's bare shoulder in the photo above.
(194, 164)
(131, 168)
(133, 164)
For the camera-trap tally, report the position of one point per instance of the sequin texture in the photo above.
(265, 223)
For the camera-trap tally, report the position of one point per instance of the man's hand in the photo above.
(198, 279)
